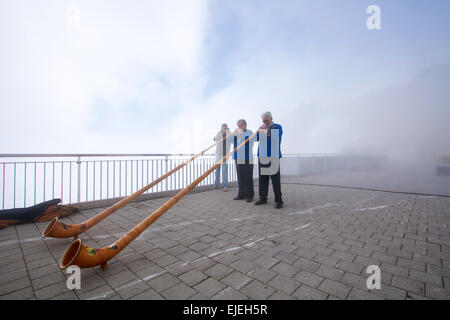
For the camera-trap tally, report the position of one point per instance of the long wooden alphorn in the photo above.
(85, 257)
(58, 229)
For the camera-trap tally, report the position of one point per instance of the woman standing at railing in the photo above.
(222, 149)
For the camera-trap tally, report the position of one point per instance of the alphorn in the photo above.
(85, 257)
(58, 229)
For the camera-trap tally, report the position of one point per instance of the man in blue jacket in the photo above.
(244, 161)
(269, 154)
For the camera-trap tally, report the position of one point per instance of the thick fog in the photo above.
(408, 121)
(397, 138)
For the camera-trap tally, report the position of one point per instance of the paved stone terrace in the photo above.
(211, 247)
(408, 180)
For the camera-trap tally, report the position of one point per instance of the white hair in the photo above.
(267, 113)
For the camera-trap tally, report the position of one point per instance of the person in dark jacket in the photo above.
(244, 161)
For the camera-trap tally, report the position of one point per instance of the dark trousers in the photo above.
(245, 180)
(264, 185)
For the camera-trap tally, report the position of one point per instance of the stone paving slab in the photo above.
(211, 247)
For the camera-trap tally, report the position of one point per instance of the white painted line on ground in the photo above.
(246, 218)
(302, 227)
(153, 275)
(372, 208)
(104, 295)
(311, 210)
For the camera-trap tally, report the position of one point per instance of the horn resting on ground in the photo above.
(85, 256)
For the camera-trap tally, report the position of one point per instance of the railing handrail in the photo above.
(69, 155)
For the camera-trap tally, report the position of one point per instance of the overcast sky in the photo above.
(119, 76)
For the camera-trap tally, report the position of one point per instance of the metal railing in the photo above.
(27, 179)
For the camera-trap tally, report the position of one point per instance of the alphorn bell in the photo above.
(58, 229)
(85, 257)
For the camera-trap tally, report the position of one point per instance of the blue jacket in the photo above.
(266, 144)
(238, 139)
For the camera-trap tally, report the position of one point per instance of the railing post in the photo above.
(166, 160)
(78, 180)
(3, 189)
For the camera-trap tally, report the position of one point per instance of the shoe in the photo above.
(225, 189)
(238, 198)
(249, 200)
(279, 205)
(260, 201)
(213, 188)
